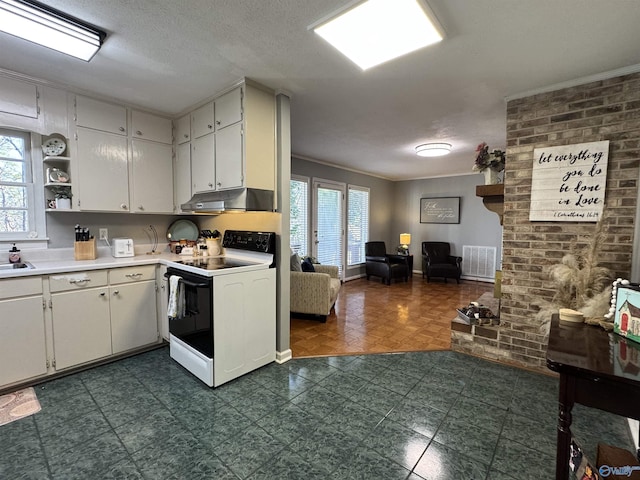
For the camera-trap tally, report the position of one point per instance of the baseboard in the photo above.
(478, 279)
(285, 356)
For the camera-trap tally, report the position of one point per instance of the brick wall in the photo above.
(602, 110)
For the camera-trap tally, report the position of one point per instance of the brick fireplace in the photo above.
(601, 110)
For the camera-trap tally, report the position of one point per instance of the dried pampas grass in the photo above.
(579, 281)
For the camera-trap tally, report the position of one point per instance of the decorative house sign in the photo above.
(627, 312)
(568, 182)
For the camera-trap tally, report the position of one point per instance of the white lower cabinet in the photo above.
(133, 315)
(80, 317)
(244, 329)
(102, 312)
(81, 326)
(22, 330)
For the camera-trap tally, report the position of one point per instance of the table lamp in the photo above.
(405, 241)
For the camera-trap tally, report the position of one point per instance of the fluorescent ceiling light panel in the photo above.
(50, 28)
(376, 31)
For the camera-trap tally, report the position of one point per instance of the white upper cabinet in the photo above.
(183, 129)
(203, 168)
(18, 98)
(182, 174)
(102, 171)
(150, 127)
(103, 116)
(228, 108)
(152, 177)
(202, 121)
(229, 172)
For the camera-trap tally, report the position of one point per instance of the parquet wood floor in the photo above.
(371, 317)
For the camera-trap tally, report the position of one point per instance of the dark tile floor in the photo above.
(420, 415)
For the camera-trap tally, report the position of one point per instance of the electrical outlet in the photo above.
(104, 234)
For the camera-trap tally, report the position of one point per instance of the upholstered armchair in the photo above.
(315, 293)
(379, 263)
(437, 261)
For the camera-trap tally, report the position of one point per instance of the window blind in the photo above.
(299, 216)
(358, 224)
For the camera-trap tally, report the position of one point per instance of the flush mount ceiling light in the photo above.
(433, 149)
(376, 31)
(50, 28)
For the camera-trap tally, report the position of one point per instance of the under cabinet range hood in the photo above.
(236, 200)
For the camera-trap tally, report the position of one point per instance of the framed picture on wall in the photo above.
(440, 210)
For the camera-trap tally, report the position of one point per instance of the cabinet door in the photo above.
(228, 108)
(81, 326)
(18, 98)
(244, 329)
(162, 298)
(23, 352)
(183, 129)
(182, 174)
(150, 127)
(102, 167)
(152, 183)
(134, 320)
(103, 116)
(202, 121)
(229, 168)
(203, 171)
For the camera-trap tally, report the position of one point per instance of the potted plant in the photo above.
(62, 197)
(489, 163)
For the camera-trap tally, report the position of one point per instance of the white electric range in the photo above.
(227, 326)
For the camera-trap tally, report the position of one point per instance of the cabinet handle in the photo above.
(210, 126)
(80, 282)
(133, 275)
(102, 294)
(210, 184)
(219, 184)
(140, 207)
(217, 122)
(116, 292)
(123, 206)
(186, 136)
(138, 132)
(121, 129)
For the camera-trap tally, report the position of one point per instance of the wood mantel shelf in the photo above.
(492, 197)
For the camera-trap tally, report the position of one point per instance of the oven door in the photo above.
(194, 327)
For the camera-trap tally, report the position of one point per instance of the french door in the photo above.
(328, 223)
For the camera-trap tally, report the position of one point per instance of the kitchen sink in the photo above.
(11, 266)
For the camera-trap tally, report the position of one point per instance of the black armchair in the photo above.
(437, 261)
(386, 266)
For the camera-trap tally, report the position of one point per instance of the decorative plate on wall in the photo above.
(54, 147)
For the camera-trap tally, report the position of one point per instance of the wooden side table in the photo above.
(591, 363)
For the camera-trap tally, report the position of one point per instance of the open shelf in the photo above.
(492, 198)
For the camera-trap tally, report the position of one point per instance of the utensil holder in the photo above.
(85, 250)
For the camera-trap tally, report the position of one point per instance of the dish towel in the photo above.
(175, 309)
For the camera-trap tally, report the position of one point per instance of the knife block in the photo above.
(85, 250)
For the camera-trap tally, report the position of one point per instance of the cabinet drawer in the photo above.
(132, 274)
(77, 280)
(20, 287)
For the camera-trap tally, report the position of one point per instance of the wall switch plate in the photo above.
(104, 234)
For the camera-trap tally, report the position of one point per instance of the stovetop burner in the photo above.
(214, 263)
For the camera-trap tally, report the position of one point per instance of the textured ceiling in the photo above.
(168, 55)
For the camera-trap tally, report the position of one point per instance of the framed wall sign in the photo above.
(440, 210)
(568, 182)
